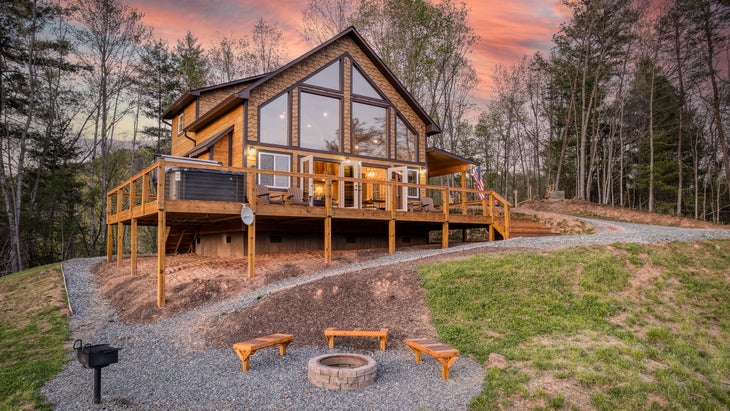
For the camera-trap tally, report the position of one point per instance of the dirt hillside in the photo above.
(388, 296)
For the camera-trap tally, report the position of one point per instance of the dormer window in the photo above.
(181, 123)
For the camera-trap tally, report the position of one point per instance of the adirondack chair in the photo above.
(295, 197)
(267, 197)
(427, 205)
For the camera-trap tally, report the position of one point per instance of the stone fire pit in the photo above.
(341, 371)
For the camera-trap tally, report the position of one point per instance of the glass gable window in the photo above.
(369, 130)
(329, 77)
(319, 122)
(274, 121)
(406, 141)
(276, 162)
(361, 86)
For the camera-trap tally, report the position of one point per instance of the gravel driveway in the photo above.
(165, 365)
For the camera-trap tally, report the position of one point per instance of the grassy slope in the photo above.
(33, 331)
(621, 327)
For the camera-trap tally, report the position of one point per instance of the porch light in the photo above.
(347, 160)
(251, 150)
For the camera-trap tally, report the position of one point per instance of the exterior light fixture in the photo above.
(251, 150)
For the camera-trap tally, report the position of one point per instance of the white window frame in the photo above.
(278, 181)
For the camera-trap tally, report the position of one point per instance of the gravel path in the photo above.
(163, 368)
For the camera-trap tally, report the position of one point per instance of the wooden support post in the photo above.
(251, 228)
(133, 247)
(161, 237)
(328, 222)
(491, 232)
(391, 236)
(120, 243)
(109, 243)
(251, 260)
(463, 193)
(327, 240)
(445, 235)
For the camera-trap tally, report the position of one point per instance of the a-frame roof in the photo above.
(238, 98)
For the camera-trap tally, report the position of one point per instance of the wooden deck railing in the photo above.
(140, 194)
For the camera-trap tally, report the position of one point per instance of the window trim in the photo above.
(287, 142)
(274, 154)
(181, 123)
(355, 66)
(388, 108)
(411, 129)
(341, 137)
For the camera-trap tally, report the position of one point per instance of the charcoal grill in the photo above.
(97, 357)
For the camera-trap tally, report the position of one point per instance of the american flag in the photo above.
(476, 174)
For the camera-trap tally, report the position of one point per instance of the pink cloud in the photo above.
(508, 29)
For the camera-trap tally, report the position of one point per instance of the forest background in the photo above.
(629, 108)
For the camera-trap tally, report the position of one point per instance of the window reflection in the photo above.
(329, 77)
(319, 125)
(406, 147)
(274, 121)
(361, 86)
(368, 130)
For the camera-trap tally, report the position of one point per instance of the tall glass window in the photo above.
(328, 77)
(369, 125)
(319, 122)
(274, 121)
(361, 86)
(406, 141)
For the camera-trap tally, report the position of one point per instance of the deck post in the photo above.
(109, 243)
(251, 228)
(161, 233)
(445, 235)
(391, 236)
(328, 222)
(120, 243)
(161, 237)
(133, 247)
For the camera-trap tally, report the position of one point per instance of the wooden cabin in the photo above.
(333, 134)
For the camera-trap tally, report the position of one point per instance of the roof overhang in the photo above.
(441, 162)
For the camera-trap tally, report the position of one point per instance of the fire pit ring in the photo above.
(341, 371)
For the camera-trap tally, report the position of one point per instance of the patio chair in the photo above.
(427, 205)
(267, 197)
(295, 197)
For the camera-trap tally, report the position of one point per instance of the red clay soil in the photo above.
(389, 296)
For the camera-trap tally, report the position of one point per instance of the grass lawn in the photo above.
(626, 326)
(33, 330)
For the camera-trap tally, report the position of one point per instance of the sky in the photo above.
(508, 29)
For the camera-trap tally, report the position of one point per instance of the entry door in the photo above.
(399, 174)
(306, 165)
(350, 190)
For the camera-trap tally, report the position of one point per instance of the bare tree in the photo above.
(227, 59)
(109, 34)
(266, 49)
(322, 19)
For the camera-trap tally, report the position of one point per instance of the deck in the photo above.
(137, 202)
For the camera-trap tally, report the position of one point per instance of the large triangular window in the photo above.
(329, 77)
(361, 86)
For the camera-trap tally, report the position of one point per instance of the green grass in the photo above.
(622, 327)
(33, 330)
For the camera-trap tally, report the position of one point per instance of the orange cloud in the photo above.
(508, 29)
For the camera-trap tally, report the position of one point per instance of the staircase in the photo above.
(527, 227)
(179, 240)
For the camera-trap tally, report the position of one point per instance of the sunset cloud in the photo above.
(508, 29)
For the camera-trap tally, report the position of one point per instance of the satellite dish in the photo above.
(246, 215)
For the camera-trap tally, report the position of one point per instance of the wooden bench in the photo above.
(248, 347)
(382, 335)
(441, 352)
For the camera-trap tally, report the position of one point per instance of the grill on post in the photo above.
(97, 357)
